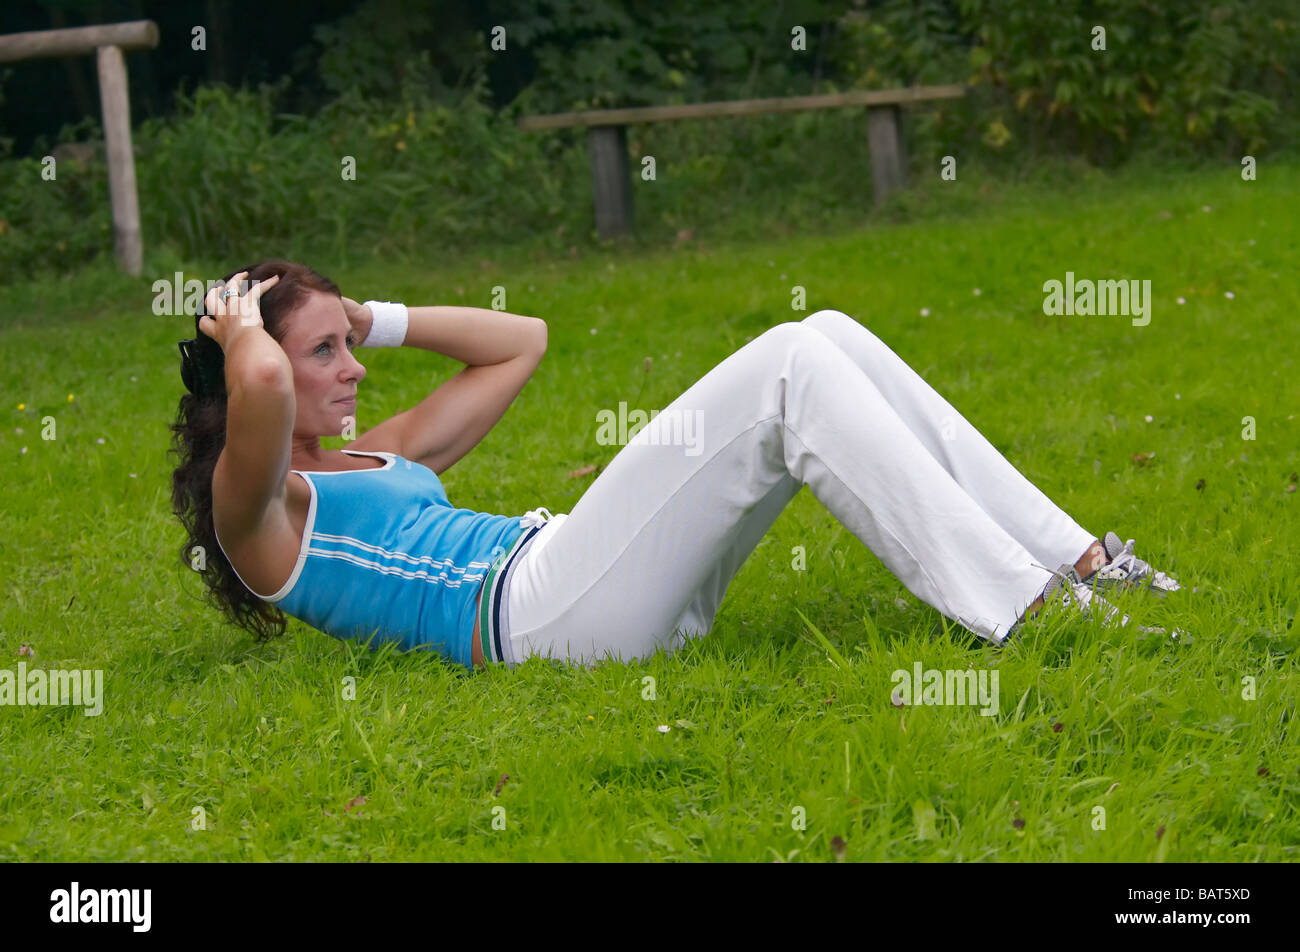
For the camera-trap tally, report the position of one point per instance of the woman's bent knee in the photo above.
(827, 317)
(841, 328)
(834, 324)
(791, 334)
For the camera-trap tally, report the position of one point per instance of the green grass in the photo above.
(764, 718)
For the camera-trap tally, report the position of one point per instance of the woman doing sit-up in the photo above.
(364, 543)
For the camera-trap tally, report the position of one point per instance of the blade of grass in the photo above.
(835, 657)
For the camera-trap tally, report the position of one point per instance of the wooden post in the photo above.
(885, 143)
(107, 41)
(611, 187)
(116, 108)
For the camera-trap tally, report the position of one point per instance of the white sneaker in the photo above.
(1066, 589)
(1072, 592)
(1126, 570)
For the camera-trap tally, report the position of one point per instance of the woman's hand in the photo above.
(223, 321)
(360, 317)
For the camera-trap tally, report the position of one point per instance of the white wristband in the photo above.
(389, 326)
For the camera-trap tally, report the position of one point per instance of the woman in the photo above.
(364, 542)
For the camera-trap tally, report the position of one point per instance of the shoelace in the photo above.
(533, 517)
(1128, 563)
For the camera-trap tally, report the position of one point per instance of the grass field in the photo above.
(1139, 429)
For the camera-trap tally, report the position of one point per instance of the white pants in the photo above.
(644, 558)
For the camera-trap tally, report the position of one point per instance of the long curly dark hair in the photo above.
(199, 435)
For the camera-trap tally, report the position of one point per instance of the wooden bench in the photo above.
(607, 138)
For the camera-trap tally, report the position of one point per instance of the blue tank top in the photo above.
(386, 558)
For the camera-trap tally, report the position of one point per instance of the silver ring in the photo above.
(230, 291)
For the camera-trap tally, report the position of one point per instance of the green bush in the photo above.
(1209, 77)
(227, 176)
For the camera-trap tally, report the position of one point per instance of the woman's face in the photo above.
(318, 342)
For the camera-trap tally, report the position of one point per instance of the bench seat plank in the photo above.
(740, 107)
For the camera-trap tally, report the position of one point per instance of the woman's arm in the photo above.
(259, 424)
(251, 470)
(501, 351)
(475, 335)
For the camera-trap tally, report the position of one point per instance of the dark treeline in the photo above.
(1214, 75)
(560, 53)
(246, 41)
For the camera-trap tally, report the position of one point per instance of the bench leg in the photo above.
(885, 142)
(611, 187)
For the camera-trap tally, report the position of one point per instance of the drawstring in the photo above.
(534, 518)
